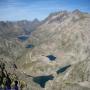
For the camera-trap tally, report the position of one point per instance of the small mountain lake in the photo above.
(30, 46)
(23, 37)
(63, 69)
(51, 57)
(41, 80)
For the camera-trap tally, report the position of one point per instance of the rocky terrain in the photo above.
(56, 55)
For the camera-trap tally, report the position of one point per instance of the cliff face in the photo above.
(58, 48)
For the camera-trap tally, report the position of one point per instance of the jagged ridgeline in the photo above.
(53, 54)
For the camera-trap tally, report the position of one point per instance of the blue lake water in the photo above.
(51, 57)
(30, 46)
(41, 80)
(23, 38)
(63, 69)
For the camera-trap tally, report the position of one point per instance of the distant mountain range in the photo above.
(18, 27)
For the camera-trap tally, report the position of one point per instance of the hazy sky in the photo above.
(30, 9)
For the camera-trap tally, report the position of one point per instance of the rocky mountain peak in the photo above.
(63, 15)
(57, 16)
(76, 11)
(35, 20)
